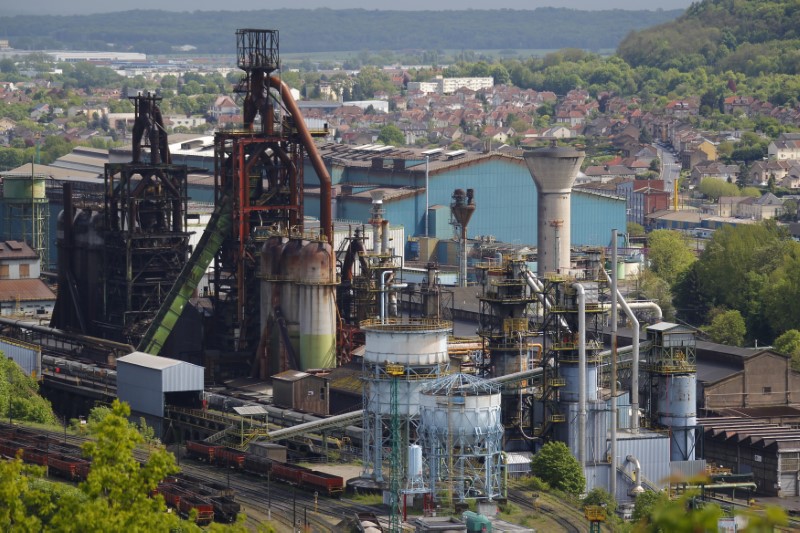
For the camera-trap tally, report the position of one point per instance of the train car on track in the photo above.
(202, 451)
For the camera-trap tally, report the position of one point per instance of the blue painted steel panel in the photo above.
(505, 195)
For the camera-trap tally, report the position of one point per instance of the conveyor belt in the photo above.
(213, 236)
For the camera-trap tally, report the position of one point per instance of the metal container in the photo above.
(290, 267)
(467, 414)
(677, 409)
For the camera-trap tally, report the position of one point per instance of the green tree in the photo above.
(19, 395)
(601, 497)
(669, 254)
(556, 465)
(391, 134)
(118, 486)
(645, 503)
(727, 327)
(652, 287)
(789, 343)
(635, 230)
(714, 188)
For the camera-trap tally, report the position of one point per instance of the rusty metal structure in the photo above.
(146, 235)
(117, 264)
(259, 180)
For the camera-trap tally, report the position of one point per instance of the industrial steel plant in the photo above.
(435, 419)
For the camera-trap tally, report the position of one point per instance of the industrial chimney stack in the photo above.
(554, 170)
(462, 207)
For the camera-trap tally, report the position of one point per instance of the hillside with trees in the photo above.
(750, 37)
(307, 30)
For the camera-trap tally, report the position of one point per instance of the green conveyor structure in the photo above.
(218, 228)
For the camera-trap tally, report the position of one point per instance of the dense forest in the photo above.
(752, 37)
(157, 32)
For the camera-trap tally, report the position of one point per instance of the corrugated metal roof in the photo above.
(25, 290)
(148, 361)
(250, 410)
(290, 375)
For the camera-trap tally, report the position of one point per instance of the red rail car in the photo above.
(170, 493)
(230, 457)
(287, 473)
(204, 508)
(34, 456)
(71, 468)
(202, 451)
(322, 482)
(10, 448)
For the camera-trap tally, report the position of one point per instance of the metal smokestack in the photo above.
(377, 212)
(462, 207)
(554, 170)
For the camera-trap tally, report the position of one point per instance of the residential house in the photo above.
(778, 169)
(786, 146)
(224, 106)
(719, 171)
(21, 290)
(766, 207)
(40, 111)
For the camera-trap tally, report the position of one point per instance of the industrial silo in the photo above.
(462, 436)
(399, 359)
(677, 410)
(26, 212)
(554, 170)
(316, 289)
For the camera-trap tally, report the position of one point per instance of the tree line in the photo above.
(317, 30)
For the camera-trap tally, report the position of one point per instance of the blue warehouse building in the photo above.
(505, 193)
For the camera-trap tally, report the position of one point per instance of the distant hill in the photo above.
(333, 30)
(749, 36)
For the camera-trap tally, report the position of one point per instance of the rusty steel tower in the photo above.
(259, 178)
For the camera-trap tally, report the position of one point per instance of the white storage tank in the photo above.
(462, 435)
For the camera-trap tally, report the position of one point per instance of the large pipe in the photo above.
(613, 476)
(383, 295)
(628, 308)
(581, 374)
(637, 473)
(384, 236)
(325, 217)
(536, 286)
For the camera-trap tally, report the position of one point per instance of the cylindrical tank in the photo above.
(414, 461)
(569, 393)
(415, 342)
(290, 267)
(677, 410)
(418, 345)
(554, 170)
(463, 416)
(24, 188)
(316, 306)
(461, 432)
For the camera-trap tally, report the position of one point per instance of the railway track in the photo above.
(569, 519)
(281, 502)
